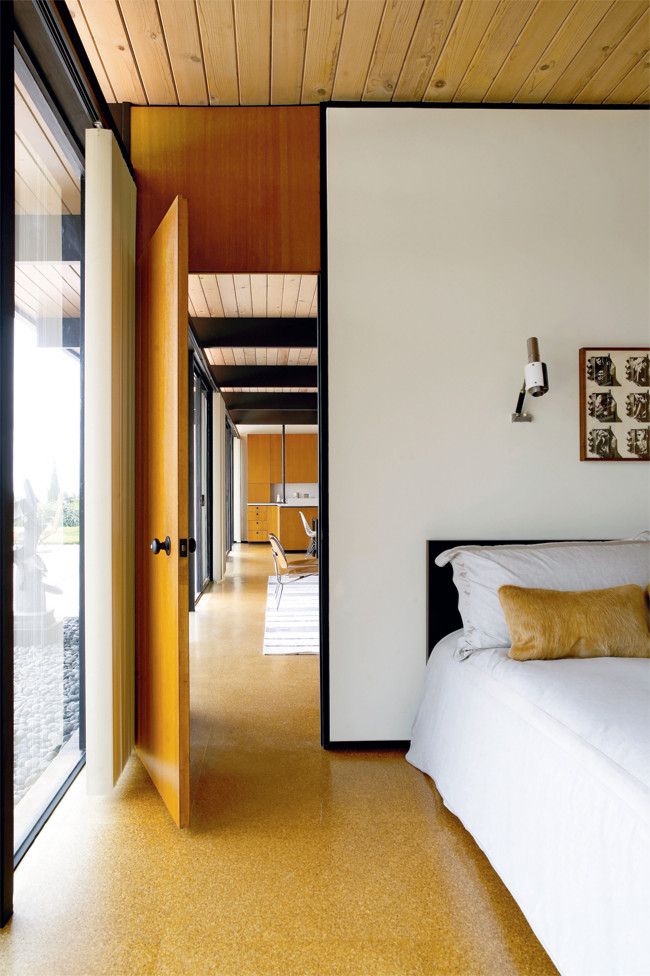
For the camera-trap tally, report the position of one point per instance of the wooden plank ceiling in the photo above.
(260, 52)
(48, 189)
(252, 296)
(244, 296)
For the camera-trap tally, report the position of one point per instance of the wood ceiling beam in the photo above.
(264, 375)
(265, 333)
(271, 416)
(289, 403)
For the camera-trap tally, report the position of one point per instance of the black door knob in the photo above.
(158, 546)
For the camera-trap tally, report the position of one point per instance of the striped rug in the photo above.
(293, 629)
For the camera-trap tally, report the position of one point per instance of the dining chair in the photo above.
(311, 535)
(288, 572)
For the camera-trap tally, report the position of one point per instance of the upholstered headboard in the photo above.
(442, 597)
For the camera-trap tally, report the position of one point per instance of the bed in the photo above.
(547, 765)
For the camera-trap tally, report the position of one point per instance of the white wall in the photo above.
(238, 510)
(452, 236)
(218, 488)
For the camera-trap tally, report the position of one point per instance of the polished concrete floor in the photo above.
(297, 862)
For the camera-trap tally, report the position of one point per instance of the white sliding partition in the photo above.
(452, 236)
(109, 471)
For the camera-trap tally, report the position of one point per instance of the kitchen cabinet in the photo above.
(301, 458)
(259, 491)
(265, 462)
(292, 534)
(259, 459)
(262, 519)
(276, 459)
(283, 521)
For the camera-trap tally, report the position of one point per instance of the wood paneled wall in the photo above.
(251, 179)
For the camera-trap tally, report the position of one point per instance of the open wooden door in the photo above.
(162, 521)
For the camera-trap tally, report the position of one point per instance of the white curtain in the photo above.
(109, 445)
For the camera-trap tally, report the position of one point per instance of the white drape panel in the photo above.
(109, 446)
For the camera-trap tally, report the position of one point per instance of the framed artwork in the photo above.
(615, 404)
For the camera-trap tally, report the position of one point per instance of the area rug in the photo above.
(293, 629)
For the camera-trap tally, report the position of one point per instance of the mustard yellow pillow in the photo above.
(549, 624)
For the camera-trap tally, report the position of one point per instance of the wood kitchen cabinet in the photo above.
(283, 521)
(259, 491)
(265, 462)
(259, 459)
(301, 458)
(262, 519)
(292, 534)
(276, 459)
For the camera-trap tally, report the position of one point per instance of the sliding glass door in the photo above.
(47, 463)
(201, 485)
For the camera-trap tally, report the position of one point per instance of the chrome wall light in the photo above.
(535, 382)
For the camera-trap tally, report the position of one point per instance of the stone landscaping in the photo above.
(46, 701)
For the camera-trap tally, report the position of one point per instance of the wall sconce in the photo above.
(535, 382)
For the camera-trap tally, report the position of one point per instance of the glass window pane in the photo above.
(47, 462)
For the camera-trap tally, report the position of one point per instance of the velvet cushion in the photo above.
(479, 571)
(549, 624)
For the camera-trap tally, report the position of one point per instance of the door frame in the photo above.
(7, 256)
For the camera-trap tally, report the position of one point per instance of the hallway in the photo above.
(298, 861)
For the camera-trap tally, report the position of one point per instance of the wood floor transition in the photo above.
(297, 862)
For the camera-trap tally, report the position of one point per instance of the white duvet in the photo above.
(547, 764)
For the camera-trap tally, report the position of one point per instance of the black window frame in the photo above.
(44, 35)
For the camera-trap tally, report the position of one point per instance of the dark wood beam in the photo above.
(286, 402)
(274, 416)
(300, 333)
(264, 375)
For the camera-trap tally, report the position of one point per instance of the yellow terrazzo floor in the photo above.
(298, 862)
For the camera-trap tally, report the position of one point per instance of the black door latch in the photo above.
(185, 545)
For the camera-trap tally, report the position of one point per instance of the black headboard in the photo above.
(442, 596)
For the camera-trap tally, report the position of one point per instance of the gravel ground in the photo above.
(46, 702)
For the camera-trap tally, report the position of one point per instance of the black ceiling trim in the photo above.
(286, 402)
(278, 417)
(270, 332)
(264, 375)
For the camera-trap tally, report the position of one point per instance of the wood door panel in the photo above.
(162, 588)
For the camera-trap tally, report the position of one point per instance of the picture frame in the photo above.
(614, 403)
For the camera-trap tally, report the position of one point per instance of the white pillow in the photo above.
(479, 571)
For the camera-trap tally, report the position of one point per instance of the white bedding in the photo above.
(547, 764)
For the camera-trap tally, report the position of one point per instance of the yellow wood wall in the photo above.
(251, 176)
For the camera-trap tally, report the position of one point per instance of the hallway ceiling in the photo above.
(260, 52)
(257, 308)
(274, 356)
(252, 296)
